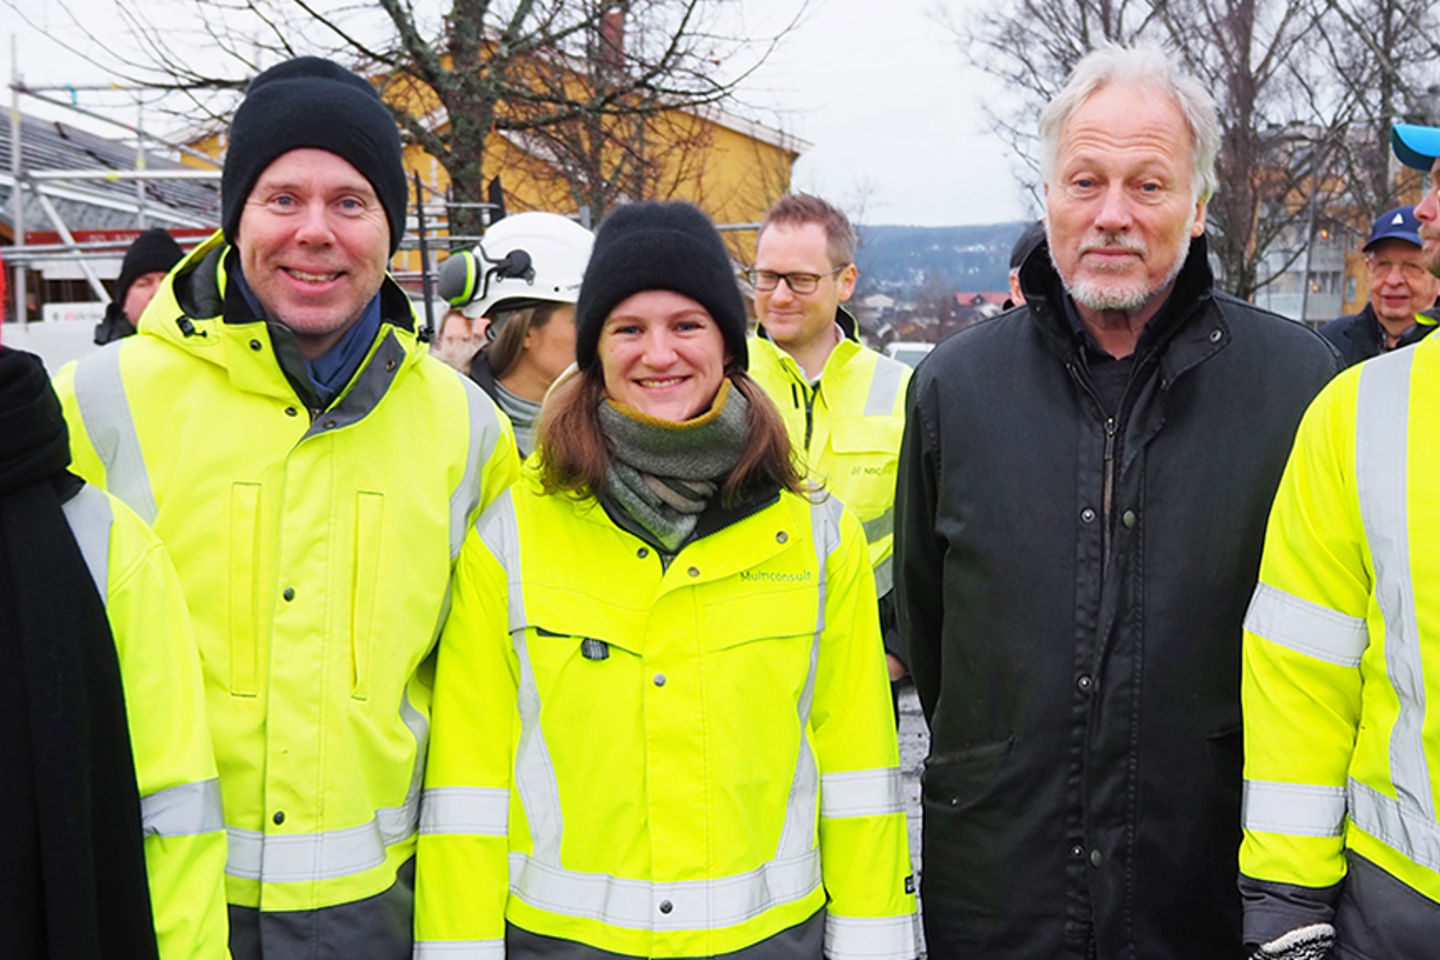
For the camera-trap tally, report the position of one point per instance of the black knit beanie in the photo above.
(659, 246)
(312, 102)
(154, 251)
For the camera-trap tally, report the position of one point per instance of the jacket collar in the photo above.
(198, 311)
(1046, 297)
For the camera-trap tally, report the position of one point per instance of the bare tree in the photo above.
(1307, 92)
(586, 77)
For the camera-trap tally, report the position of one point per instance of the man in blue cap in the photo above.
(1401, 288)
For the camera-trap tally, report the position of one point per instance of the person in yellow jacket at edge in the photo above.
(110, 791)
(843, 403)
(662, 722)
(1341, 682)
(312, 472)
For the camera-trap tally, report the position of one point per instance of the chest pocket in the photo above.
(861, 466)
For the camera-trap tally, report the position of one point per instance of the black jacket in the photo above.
(1357, 336)
(1083, 788)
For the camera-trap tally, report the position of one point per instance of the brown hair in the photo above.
(504, 351)
(798, 209)
(575, 459)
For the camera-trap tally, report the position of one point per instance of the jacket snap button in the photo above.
(1128, 518)
(781, 537)
(643, 552)
(279, 817)
(666, 906)
(693, 571)
(1077, 851)
(254, 344)
(329, 424)
(291, 412)
(389, 366)
(1215, 335)
(659, 679)
(1085, 683)
(1095, 858)
(1087, 515)
(289, 593)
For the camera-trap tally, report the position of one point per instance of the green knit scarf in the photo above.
(664, 472)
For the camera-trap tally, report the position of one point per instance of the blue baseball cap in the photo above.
(1397, 224)
(1416, 146)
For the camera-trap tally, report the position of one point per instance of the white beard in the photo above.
(1118, 295)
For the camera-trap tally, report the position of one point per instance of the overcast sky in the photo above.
(884, 97)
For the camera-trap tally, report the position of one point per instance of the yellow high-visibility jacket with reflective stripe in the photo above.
(848, 428)
(184, 828)
(1341, 680)
(675, 761)
(315, 555)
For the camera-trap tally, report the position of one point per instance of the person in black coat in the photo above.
(1402, 292)
(153, 254)
(1081, 503)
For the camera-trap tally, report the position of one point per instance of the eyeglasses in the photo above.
(801, 283)
(1381, 268)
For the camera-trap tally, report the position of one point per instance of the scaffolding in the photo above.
(42, 184)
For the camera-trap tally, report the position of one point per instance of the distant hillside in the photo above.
(897, 260)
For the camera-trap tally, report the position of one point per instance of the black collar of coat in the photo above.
(1046, 297)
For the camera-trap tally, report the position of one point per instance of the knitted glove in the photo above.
(1304, 943)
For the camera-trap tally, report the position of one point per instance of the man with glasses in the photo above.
(843, 403)
(1400, 288)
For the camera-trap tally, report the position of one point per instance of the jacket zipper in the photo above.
(1109, 489)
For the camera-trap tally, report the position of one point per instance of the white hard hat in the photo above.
(526, 258)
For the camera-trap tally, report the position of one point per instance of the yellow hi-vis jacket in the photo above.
(848, 426)
(1341, 681)
(316, 552)
(677, 761)
(184, 829)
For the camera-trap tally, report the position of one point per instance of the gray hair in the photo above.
(1145, 63)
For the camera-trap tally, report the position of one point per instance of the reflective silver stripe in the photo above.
(89, 515)
(183, 810)
(1396, 823)
(1296, 809)
(884, 387)
(1306, 627)
(484, 434)
(861, 793)
(100, 396)
(307, 857)
(498, 531)
(459, 949)
(869, 938)
(477, 810)
(1381, 432)
(535, 778)
(881, 526)
(694, 904)
(885, 576)
(797, 835)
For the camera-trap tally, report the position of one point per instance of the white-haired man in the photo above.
(1082, 496)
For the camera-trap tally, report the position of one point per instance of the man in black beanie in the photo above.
(311, 470)
(153, 254)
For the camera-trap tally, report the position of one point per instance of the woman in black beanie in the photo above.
(661, 722)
